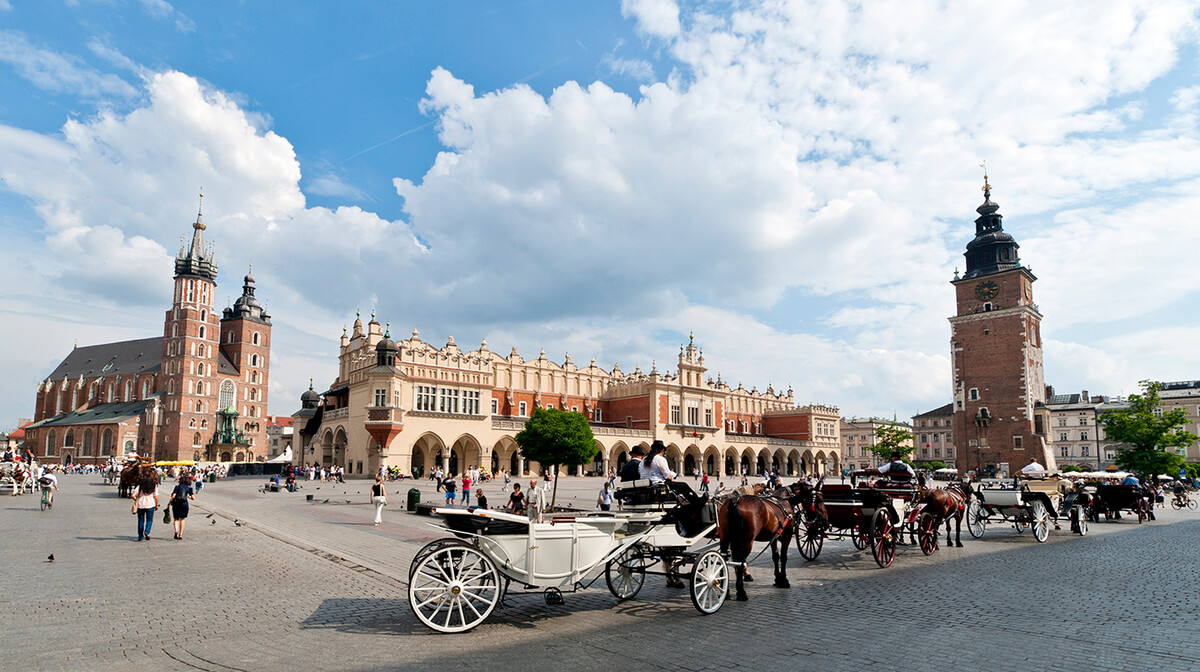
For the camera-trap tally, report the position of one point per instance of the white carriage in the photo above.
(455, 583)
(1036, 503)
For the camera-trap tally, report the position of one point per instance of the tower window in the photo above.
(987, 307)
(973, 394)
(254, 339)
(201, 332)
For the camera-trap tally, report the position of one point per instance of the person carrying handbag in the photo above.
(145, 502)
(378, 498)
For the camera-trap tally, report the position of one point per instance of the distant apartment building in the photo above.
(1186, 395)
(933, 434)
(858, 435)
(279, 435)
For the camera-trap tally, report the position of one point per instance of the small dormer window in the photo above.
(987, 307)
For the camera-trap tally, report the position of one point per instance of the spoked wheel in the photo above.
(45, 502)
(976, 519)
(1192, 504)
(883, 539)
(454, 589)
(1177, 504)
(710, 582)
(1081, 520)
(428, 550)
(859, 539)
(1020, 523)
(927, 533)
(810, 543)
(626, 573)
(1039, 520)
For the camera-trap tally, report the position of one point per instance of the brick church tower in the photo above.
(190, 357)
(246, 343)
(1000, 417)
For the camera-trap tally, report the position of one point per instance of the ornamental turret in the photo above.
(992, 250)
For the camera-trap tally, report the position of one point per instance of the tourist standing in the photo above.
(145, 503)
(378, 498)
(466, 489)
(449, 487)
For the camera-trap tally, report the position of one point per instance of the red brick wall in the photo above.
(636, 408)
(788, 426)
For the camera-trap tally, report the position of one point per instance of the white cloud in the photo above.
(5, 5)
(657, 18)
(58, 73)
(328, 184)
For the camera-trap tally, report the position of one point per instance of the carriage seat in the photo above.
(645, 494)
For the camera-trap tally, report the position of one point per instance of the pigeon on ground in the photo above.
(214, 522)
(51, 558)
(237, 523)
(325, 502)
(209, 516)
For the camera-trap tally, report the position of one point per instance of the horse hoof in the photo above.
(783, 584)
(747, 577)
(742, 597)
(958, 544)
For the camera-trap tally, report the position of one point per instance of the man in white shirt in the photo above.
(1033, 468)
(897, 467)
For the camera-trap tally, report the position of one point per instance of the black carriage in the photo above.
(873, 515)
(1111, 500)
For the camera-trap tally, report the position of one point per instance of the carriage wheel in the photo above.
(428, 550)
(626, 573)
(859, 539)
(710, 582)
(1039, 520)
(454, 588)
(883, 539)
(1020, 523)
(927, 533)
(1081, 517)
(976, 519)
(810, 544)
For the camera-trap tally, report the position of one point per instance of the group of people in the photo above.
(318, 472)
(146, 503)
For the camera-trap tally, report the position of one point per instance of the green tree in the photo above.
(554, 437)
(893, 439)
(1148, 432)
(1071, 468)
(934, 465)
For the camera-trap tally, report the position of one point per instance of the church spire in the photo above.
(197, 261)
(993, 250)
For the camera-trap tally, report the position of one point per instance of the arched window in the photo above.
(174, 330)
(230, 338)
(196, 439)
(128, 447)
(129, 390)
(106, 442)
(203, 423)
(110, 397)
(203, 315)
(254, 339)
(201, 332)
(92, 390)
(50, 444)
(200, 369)
(253, 394)
(253, 360)
(170, 387)
(69, 442)
(192, 422)
(199, 407)
(254, 376)
(200, 350)
(199, 387)
(145, 388)
(58, 404)
(228, 392)
(87, 441)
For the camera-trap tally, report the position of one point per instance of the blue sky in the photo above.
(794, 182)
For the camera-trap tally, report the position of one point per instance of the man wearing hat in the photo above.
(629, 472)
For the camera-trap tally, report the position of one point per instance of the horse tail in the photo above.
(735, 528)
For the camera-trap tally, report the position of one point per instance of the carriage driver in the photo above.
(1032, 469)
(898, 469)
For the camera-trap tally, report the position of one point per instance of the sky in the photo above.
(794, 183)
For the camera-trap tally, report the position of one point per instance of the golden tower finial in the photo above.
(987, 188)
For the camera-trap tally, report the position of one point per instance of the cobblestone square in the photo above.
(300, 585)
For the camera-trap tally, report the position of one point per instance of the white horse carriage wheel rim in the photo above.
(454, 589)
(710, 582)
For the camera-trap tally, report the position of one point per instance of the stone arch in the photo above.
(431, 449)
(508, 455)
(807, 462)
(467, 450)
(711, 462)
(834, 465)
(731, 465)
(692, 459)
(674, 457)
(618, 455)
(340, 445)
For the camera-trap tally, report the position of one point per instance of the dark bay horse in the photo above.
(745, 519)
(949, 503)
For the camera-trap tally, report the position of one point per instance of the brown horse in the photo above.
(132, 475)
(946, 504)
(745, 519)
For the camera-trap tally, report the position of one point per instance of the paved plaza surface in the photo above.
(300, 585)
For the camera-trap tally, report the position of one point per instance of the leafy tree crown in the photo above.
(553, 437)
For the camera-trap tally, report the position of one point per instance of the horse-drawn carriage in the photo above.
(456, 582)
(1112, 499)
(1033, 503)
(869, 514)
(132, 474)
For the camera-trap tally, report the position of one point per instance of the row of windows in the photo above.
(1066, 436)
(693, 415)
(93, 392)
(935, 422)
(1083, 451)
(825, 428)
(934, 438)
(448, 400)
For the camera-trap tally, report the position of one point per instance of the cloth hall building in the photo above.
(198, 392)
(417, 406)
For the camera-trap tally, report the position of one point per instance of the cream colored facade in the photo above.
(417, 406)
(860, 433)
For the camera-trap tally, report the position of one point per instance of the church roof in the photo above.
(100, 414)
(124, 358)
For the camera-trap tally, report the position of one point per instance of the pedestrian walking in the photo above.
(466, 489)
(605, 500)
(145, 503)
(704, 482)
(179, 503)
(449, 486)
(378, 498)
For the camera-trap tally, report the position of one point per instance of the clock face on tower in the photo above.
(987, 290)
